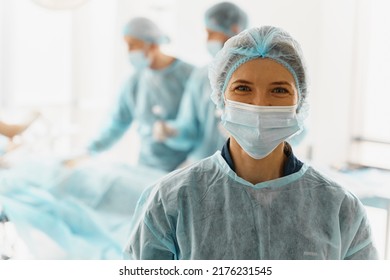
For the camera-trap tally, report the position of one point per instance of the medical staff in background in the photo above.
(197, 128)
(254, 199)
(153, 92)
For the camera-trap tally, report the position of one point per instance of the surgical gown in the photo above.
(205, 211)
(198, 123)
(148, 96)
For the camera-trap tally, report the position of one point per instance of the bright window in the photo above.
(371, 141)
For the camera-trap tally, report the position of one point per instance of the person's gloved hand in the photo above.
(162, 131)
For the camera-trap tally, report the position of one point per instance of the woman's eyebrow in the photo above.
(241, 81)
(281, 83)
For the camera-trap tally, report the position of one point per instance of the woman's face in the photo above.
(262, 82)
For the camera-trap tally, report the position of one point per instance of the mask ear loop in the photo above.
(224, 101)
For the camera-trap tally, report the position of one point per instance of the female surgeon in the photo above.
(152, 93)
(254, 199)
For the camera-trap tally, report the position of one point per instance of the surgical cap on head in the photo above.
(222, 16)
(146, 30)
(264, 42)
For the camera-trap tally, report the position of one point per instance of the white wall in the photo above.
(29, 34)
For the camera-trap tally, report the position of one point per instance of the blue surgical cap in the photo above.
(223, 16)
(146, 30)
(264, 42)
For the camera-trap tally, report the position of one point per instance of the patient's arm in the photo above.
(11, 130)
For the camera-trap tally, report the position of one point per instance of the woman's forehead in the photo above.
(263, 69)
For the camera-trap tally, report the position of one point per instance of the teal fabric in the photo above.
(206, 211)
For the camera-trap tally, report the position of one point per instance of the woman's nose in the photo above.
(260, 100)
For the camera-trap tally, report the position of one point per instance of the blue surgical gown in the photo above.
(206, 211)
(142, 94)
(197, 122)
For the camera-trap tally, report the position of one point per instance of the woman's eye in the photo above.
(243, 88)
(280, 90)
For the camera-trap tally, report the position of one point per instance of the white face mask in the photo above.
(214, 46)
(260, 129)
(139, 60)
